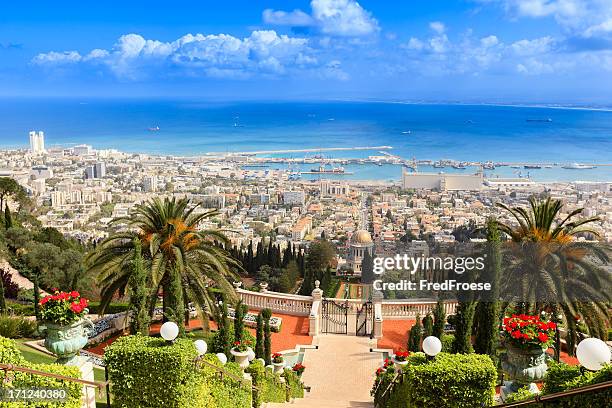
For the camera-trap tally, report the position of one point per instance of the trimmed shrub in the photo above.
(562, 377)
(16, 308)
(450, 381)
(271, 389)
(295, 383)
(428, 325)
(9, 354)
(146, 372)
(414, 336)
(447, 342)
(94, 308)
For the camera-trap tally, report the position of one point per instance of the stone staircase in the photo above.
(340, 373)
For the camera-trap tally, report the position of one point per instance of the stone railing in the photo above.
(409, 309)
(277, 302)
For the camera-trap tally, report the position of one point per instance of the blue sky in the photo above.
(436, 50)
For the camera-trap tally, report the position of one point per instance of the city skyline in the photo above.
(501, 51)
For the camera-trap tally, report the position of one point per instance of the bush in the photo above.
(271, 389)
(146, 372)
(450, 381)
(217, 345)
(9, 354)
(14, 327)
(295, 383)
(20, 309)
(447, 342)
(11, 289)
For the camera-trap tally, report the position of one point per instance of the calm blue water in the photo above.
(461, 132)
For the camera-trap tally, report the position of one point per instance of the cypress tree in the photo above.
(488, 313)
(414, 337)
(240, 312)
(8, 219)
(175, 300)
(139, 293)
(427, 325)
(259, 339)
(367, 268)
(36, 295)
(439, 320)
(267, 314)
(463, 327)
(224, 332)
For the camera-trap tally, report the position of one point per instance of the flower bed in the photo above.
(63, 308)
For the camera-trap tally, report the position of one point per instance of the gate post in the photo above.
(314, 317)
(377, 298)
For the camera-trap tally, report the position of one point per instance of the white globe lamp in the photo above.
(593, 353)
(169, 331)
(222, 358)
(201, 347)
(432, 346)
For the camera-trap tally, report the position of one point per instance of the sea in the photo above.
(497, 133)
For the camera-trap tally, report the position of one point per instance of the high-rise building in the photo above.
(150, 184)
(37, 142)
(97, 170)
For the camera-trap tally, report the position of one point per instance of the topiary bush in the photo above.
(9, 354)
(450, 381)
(270, 388)
(146, 372)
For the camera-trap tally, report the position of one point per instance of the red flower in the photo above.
(516, 334)
(76, 308)
(543, 337)
(236, 343)
(74, 294)
(552, 325)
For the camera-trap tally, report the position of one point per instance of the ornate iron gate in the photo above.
(334, 317)
(365, 320)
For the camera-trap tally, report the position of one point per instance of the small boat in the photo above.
(546, 120)
(578, 166)
(439, 165)
(153, 129)
(460, 166)
(515, 167)
(324, 170)
(488, 166)
(532, 166)
(406, 132)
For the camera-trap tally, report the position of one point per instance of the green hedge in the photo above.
(450, 381)
(9, 354)
(271, 388)
(146, 372)
(562, 377)
(295, 383)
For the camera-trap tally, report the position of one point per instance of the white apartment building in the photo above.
(37, 142)
(294, 197)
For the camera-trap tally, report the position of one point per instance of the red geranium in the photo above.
(526, 331)
(63, 308)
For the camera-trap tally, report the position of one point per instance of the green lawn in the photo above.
(39, 357)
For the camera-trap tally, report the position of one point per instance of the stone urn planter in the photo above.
(241, 357)
(524, 366)
(399, 364)
(279, 367)
(65, 341)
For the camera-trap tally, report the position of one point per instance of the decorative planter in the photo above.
(279, 367)
(65, 341)
(399, 364)
(241, 357)
(524, 365)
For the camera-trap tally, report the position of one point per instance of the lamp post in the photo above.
(169, 331)
(593, 353)
(432, 346)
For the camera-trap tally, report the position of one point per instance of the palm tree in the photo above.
(549, 269)
(175, 253)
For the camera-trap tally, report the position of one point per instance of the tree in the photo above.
(367, 268)
(319, 256)
(464, 318)
(8, 219)
(239, 314)
(139, 294)
(259, 339)
(414, 337)
(487, 316)
(439, 320)
(10, 188)
(549, 269)
(427, 325)
(172, 244)
(267, 314)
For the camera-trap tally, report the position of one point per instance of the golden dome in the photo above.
(361, 237)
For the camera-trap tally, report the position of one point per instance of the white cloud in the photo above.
(57, 58)
(219, 55)
(295, 18)
(537, 46)
(489, 41)
(415, 44)
(344, 18)
(437, 26)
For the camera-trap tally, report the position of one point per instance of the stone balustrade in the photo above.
(409, 309)
(277, 302)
